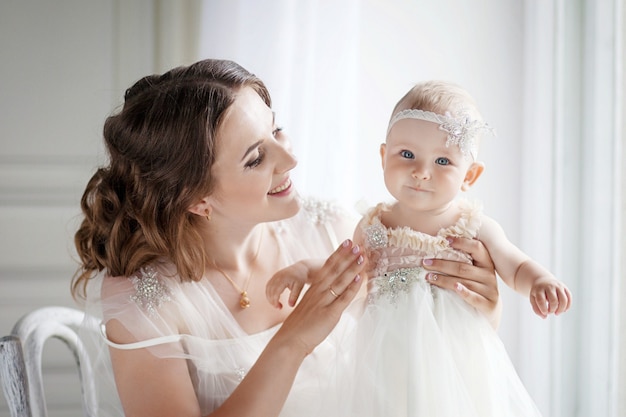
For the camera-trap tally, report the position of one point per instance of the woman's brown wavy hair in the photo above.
(161, 147)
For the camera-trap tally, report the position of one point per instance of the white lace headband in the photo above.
(462, 130)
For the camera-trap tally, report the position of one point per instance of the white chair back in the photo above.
(21, 352)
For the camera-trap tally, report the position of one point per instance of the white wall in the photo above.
(61, 69)
(335, 70)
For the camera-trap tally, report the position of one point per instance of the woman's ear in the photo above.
(472, 174)
(202, 208)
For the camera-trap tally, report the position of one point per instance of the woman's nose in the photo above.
(286, 160)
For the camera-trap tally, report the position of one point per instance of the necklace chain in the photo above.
(244, 301)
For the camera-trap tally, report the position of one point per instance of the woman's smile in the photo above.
(282, 189)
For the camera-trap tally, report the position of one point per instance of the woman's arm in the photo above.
(476, 283)
(150, 386)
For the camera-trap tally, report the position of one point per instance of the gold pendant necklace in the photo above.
(244, 301)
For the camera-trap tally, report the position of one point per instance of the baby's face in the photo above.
(420, 170)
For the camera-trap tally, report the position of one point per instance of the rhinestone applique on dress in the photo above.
(150, 292)
(391, 284)
(376, 236)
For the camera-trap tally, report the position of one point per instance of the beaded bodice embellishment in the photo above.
(396, 254)
(150, 292)
(390, 285)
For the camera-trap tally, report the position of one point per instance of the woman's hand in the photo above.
(476, 283)
(332, 288)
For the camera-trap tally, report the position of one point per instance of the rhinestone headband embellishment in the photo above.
(462, 129)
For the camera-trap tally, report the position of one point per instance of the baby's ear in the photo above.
(383, 151)
(472, 174)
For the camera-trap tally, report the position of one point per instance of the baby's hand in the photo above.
(549, 295)
(294, 278)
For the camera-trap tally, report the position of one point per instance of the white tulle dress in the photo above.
(219, 352)
(421, 351)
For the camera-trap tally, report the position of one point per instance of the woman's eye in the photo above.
(407, 154)
(442, 161)
(257, 161)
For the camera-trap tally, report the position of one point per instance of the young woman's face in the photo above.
(419, 170)
(252, 165)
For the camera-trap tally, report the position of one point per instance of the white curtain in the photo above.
(545, 74)
(572, 163)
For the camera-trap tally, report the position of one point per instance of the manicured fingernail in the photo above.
(355, 249)
(359, 260)
(346, 243)
(427, 261)
(357, 278)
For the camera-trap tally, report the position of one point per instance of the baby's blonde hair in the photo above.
(438, 97)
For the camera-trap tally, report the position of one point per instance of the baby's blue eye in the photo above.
(407, 154)
(442, 161)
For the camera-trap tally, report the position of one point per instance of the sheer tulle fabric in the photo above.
(189, 320)
(418, 350)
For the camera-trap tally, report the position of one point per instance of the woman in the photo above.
(194, 213)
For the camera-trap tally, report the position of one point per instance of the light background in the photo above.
(546, 74)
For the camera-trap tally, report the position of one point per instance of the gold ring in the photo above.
(333, 292)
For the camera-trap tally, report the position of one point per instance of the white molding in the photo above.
(38, 181)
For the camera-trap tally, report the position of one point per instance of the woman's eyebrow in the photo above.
(251, 148)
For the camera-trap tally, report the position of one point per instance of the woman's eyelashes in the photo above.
(276, 131)
(253, 163)
(256, 161)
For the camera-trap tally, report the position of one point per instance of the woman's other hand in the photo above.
(476, 283)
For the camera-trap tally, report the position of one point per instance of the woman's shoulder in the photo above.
(147, 289)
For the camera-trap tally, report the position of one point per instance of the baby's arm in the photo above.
(294, 278)
(546, 293)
